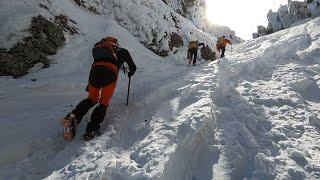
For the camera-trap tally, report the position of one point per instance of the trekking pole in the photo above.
(128, 92)
(124, 69)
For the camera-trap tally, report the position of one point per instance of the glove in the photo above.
(87, 88)
(130, 73)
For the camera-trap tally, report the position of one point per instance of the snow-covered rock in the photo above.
(289, 15)
(314, 7)
(46, 38)
(274, 20)
(299, 10)
(155, 22)
(262, 31)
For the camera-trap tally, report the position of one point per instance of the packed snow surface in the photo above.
(253, 114)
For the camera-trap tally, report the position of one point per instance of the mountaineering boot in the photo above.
(90, 135)
(69, 125)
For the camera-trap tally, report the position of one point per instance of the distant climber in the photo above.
(221, 45)
(108, 58)
(193, 51)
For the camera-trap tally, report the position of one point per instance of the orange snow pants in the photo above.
(99, 91)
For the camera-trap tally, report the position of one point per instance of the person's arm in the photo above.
(129, 61)
(201, 44)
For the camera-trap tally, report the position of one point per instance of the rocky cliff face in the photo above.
(262, 31)
(45, 38)
(182, 7)
(163, 26)
(288, 15)
(314, 7)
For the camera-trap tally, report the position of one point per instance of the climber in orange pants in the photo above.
(108, 58)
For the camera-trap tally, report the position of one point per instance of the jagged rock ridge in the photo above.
(289, 15)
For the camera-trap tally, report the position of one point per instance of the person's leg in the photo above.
(223, 50)
(99, 112)
(70, 122)
(97, 117)
(189, 56)
(83, 107)
(195, 52)
(218, 55)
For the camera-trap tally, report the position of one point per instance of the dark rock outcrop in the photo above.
(45, 39)
(63, 21)
(175, 41)
(87, 5)
(207, 53)
(262, 31)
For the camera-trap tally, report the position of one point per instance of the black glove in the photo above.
(87, 88)
(130, 73)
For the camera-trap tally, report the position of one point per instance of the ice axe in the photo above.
(128, 91)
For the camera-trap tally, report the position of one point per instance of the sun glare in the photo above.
(242, 16)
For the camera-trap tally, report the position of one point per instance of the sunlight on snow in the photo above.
(243, 16)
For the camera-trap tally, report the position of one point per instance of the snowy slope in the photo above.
(253, 114)
(273, 106)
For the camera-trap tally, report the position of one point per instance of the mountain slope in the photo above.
(253, 114)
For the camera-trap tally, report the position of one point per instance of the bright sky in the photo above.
(243, 16)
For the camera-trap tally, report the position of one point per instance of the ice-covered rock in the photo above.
(314, 121)
(264, 167)
(299, 158)
(298, 10)
(262, 31)
(156, 22)
(274, 21)
(314, 7)
(289, 15)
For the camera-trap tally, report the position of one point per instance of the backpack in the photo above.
(104, 51)
(193, 44)
(220, 40)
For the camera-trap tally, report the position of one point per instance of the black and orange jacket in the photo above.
(103, 53)
(224, 43)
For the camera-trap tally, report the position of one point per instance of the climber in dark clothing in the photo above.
(108, 58)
